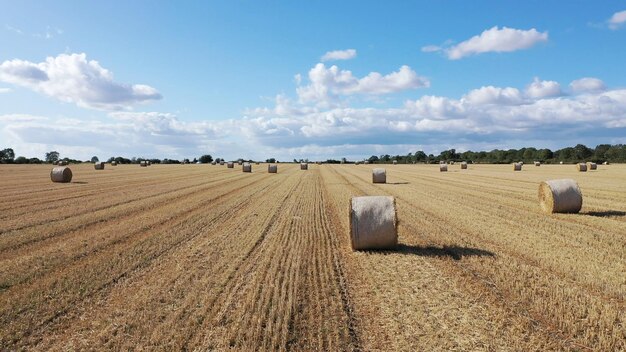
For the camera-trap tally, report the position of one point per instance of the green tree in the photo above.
(7, 155)
(52, 156)
(205, 159)
(270, 160)
(94, 159)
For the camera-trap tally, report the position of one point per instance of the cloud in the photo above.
(431, 48)
(339, 55)
(5, 90)
(587, 85)
(493, 40)
(495, 95)
(543, 89)
(617, 20)
(327, 84)
(72, 79)
(13, 29)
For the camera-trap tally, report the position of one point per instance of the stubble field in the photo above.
(201, 257)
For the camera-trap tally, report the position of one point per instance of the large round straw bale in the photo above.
(379, 175)
(560, 196)
(463, 165)
(395, 162)
(62, 162)
(221, 162)
(61, 174)
(373, 222)
(521, 162)
(247, 167)
(304, 166)
(537, 163)
(443, 167)
(257, 163)
(113, 163)
(560, 163)
(582, 167)
(99, 165)
(213, 163)
(517, 167)
(593, 166)
(143, 163)
(605, 163)
(272, 169)
(230, 165)
(240, 162)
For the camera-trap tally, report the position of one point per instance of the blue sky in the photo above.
(310, 80)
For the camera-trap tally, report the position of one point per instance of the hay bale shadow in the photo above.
(398, 183)
(454, 252)
(607, 213)
(80, 182)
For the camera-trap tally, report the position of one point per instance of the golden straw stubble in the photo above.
(560, 196)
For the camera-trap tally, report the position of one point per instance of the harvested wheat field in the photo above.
(203, 257)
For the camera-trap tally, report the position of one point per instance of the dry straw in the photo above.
(304, 166)
(99, 166)
(560, 196)
(379, 175)
(61, 174)
(517, 167)
(272, 169)
(582, 167)
(373, 222)
(247, 167)
(443, 167)
(463, 165)
(593, 166)
(230, 165)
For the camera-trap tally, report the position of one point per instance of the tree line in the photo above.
(579, 153)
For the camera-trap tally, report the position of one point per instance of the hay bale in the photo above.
(443, 167)
(593, 166)
(366, 162)
(517, 167)
(213, 163)
(304, 166)
(537, 163)
(605, 163)
(451, 162)
(257, 163)
(113, 163)
(560, 196)
(379, 175)
(143, 163)
(582, 167)
(272, 169)
(463, 165)
(247, 167)
(99, 165)
(521, 162)
(61, 174)
(62, 162)
(560, 162)
(221, 162)
(240, 162)
(230, 165)
(373, 222)
(395, 162)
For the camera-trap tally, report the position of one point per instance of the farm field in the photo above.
(201, 257)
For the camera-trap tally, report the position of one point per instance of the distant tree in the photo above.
(7, 155)
(94, 159)
(52, 156)
(344, 160)
(373, 159)
(205, 159)
(582, 152)
(544, 154)
(270, 160)
(420, 156)
(21, 160)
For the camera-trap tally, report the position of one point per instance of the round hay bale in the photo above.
(593, 166)
(537, 163)
(113, 163)
(560, 163)
(605, 163)
(582, 167)
(379, 175)
(560, 196)
(221, 163)
(366, 162)
(464, 165)
(304, 166)
(521, 162)
(247, 167)
(257, 163)
(99, 165)
(373, 222)
(213, 163)
(272, 169)
(62, 162)
(61, 174)
(517, 167)
(230, 165)
(143, 163)
(443, 167)
(240, 162)
(395, 162)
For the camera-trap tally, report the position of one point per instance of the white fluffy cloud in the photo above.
(617, 20)
(339, 55)
(586, 85)
(495, 95)
(73, 79)
(493, 40)
(5, 90)
(543, 89)
(328, 83)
